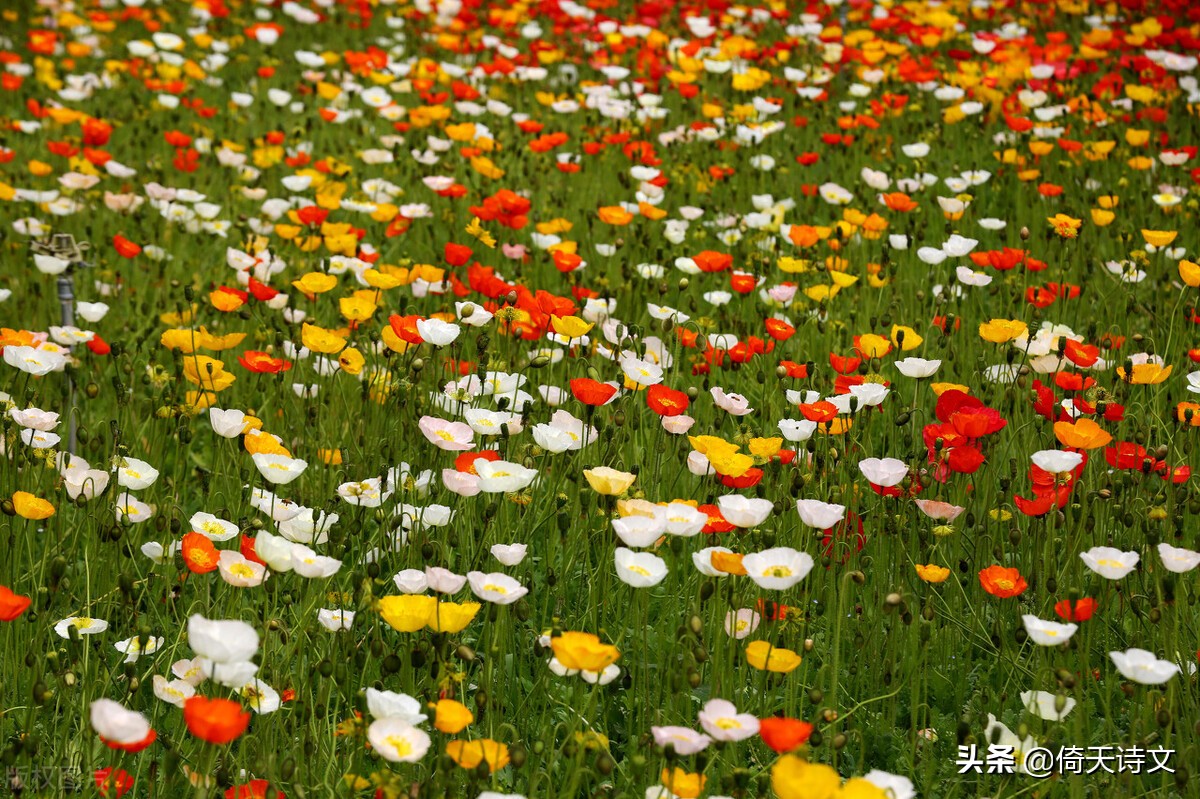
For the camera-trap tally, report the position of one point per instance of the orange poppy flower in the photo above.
(1002, 582)
(1081, 434)
(199, 553)
(615, 215)
(227, 300)
(728, 562)
(899, 201)
(217, 721)
(566, 261)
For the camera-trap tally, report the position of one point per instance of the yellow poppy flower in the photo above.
(1001, 331)
(318, 339)
(453, 617)
(570, 326)
(407, 613)
(30, 507)
(794, 777)
(469, 754)
(452, 717)
(761, 655)
(932, 573)
(583, 651)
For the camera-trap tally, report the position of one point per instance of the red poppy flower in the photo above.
(246, 547)
(1040, 297)
(465, 462)
(177, 139)
(772, 611)
(261, 291)
(126, 248)
(1073, 381)
(1080, 610)
(779, 329)
(717, 523)
(822, 411)
(1044, 502)
(255, 789)
(406, 328)
(12, 604)
(132, 748)
(456, 254)
(1082, 355)
(844, 538)
(98, 346)
(965, 460)
(1125, 455)
(784, 734)
(752, 477)
(844, 365)
(312, 215)
(263, 362)
(798, 371)
(710, 261)
(592, 392)
(95, 132)
(217, 721)
(110, 783)
(63, 149)
(666, 401)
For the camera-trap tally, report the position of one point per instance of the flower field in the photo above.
(592, 398)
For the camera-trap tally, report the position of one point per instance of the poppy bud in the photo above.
(1024, 233)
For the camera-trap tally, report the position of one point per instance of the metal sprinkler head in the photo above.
(64, 247)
